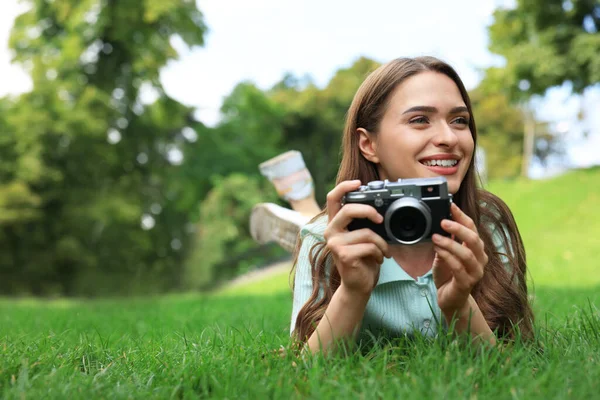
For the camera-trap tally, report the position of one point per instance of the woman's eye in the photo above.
(419, 120)
(461, 121)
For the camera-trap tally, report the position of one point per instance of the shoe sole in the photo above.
(266, 227)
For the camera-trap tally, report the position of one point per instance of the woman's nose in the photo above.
(445, 136)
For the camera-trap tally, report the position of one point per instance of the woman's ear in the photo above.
(367, 145)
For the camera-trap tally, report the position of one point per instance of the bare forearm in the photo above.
(471, 320)
(341, 321)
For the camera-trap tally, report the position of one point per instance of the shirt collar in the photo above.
(391, 271)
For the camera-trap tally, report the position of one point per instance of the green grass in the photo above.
(559, 221)
(224, 345)
(278, 282)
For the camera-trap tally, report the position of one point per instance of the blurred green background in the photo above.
(102, 193)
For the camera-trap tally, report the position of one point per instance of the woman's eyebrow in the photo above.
(429, 109)
(458, 110)
(421, 109)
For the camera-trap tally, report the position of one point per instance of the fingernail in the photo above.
(446, 223)
(436, 238)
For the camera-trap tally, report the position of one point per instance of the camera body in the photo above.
(412, 209)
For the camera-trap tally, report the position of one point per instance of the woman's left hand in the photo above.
(457, 267)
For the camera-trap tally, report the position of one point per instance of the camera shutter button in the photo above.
(376, 185)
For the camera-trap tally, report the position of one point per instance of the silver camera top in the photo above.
(418, 188)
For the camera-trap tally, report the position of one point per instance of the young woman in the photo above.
(407, 117)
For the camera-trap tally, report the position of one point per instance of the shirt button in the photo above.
(424, 292)
(426, 323)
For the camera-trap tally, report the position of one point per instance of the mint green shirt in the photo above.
(398, 304)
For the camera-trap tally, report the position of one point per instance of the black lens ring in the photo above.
(402, 203)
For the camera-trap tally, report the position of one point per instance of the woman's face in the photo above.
(424, 132)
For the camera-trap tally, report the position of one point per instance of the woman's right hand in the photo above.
(358, 255)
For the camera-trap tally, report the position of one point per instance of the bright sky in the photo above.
(261, 40)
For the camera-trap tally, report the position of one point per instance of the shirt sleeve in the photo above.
(303, 286)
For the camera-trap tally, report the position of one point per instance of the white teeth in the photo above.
(440, 163)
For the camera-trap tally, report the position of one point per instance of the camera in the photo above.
(412, 209)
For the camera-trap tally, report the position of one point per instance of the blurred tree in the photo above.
(250, 131)
(225, 248)
(500, 131)
(95, 145)
(546, 43)
(17, 202)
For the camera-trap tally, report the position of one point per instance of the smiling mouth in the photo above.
(440, 163)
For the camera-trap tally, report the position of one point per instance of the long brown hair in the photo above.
(502, 292)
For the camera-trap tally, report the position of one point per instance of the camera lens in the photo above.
(408, 220)
(408, 224)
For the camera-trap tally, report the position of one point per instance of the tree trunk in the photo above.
(528, 142)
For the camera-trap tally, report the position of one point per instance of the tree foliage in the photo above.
(224, 246)
(89, 157)
(546, 43)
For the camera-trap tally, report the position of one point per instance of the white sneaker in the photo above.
(288, 173)
(272, 223)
